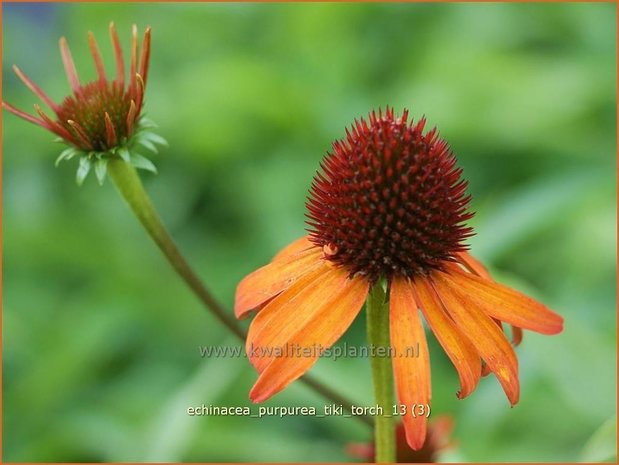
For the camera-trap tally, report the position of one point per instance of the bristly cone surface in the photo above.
(89, 109)
(390, 199)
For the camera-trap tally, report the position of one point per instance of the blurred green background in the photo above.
(100, 337)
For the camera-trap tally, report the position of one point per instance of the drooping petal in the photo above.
(35, 89)
(515, 338)
(294, 247)
(261, 334)
(262, 338)
(516, 335)
(69, 65)
(506, 304)
(485, 369)
(486, 336)
(118, 55)
(266, 282)
(476, 267)
(411, 373)
(96, 56)
(317, 319)
(456, 344)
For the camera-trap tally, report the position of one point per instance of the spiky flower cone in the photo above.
(388, 208)
(389, 200)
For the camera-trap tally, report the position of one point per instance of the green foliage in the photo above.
(127, 150)
(101, 338)
(602, 447)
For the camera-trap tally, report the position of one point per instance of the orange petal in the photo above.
(266, 282)
(133, 63)
(139, 92)
(486, 336)
(69, 65)
(145, 58)
(516, 335)
(131, 116)
(473, 265)
(299, 245)
(323, 313)
(460, 350)
(80, 133)
(516, 332)
(412, 374)
(24, 115)
(110, 131)
(55, 127)
(118, 56)
(485, 369)
(36, 89)
(261, 338)
(96, 56)
(506, 304)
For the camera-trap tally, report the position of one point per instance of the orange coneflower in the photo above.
(102, 119)
(388, 206)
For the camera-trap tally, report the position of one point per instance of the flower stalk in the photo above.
(382, 374)
(130, 187)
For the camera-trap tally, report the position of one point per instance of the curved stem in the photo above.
(382, 375)
(129, 185)
(334, 397)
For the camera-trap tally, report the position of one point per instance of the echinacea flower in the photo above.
(439, 432)
(101, 119)
(389, 206)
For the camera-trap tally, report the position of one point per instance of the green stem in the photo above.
(382, 375)
(129, 185)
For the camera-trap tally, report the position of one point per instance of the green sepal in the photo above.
(101, 169)
(142, 163)
(123, 153)
(146, 143)
(83, 169)
(67, 154)
(154, 138)
(147, 123)
(125, 150)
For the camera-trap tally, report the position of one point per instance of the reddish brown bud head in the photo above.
(101, 115)
(389, 200)
(101, 119)
(88, 109)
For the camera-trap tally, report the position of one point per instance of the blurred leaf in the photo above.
(173, 429)
(525, 93)
(602, 447)
(530, 208)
